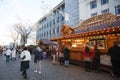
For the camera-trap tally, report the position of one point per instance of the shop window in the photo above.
(104, 2)
(99, 42)
(117, 9)
(93, 4)
(106, 11)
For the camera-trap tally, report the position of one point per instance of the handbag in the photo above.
(87, 59)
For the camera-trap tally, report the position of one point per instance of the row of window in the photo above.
(93, 4)
(49, 33)
(51, 23)
(117, 11)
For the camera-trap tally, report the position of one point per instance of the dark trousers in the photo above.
(24, 73)
(116, 67)
(88, 66)
(61, 60)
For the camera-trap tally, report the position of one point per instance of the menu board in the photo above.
(105, 59)
(99, 42)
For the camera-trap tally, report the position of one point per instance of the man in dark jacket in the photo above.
(115, 58)
(37, 59)
(66, 56)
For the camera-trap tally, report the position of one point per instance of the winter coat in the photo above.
(37, 55)
(114, 53)
(66, 54)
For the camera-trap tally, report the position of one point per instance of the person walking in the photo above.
(115, 58)
(25, 61)
(61, 57)
(37, 59)
(13, 54)
(66, 57)
(54, 55)
(7, 54)
(86, 55)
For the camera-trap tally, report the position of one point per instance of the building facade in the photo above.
(90, 8)
(76, 11)
(50, 25)
(72, 11)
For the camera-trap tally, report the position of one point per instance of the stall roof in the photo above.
(46, 41)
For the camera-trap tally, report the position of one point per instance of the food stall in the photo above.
(102, 30)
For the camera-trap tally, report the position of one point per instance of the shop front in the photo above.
(102, 30)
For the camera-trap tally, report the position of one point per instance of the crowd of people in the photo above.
(64, 57)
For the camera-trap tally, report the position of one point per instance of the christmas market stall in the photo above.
(101, 30)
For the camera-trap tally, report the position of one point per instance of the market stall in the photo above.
(102, 30)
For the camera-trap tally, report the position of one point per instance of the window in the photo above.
(58, 29)
(53, 21)
(47, 25)
(93, 4)
(47, 33)
(50, 23)
(62, 18)
(117, 9)
(54, 31)
(105, 11)
(104, 2)
(57, 19)
(93, 14)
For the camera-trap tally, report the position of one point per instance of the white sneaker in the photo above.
(39, 72)
(35, 71)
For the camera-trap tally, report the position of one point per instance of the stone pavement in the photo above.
(11, 71)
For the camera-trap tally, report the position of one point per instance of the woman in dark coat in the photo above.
(96, 59)
(115, 58)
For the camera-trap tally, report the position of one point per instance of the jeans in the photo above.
(66, 63)
(7, 58)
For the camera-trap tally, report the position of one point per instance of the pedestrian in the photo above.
(96, 58)
(87, 55)
(37, 59)
(7, 54)
(54, 55)
(61, 57)
(13, 54)
(66, 52)
(25, 61)
(115, 59)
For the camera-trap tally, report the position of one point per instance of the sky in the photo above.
(21, 11)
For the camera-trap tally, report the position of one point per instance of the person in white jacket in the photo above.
(25, 61)
(8, 53)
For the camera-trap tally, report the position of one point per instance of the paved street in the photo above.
(11, 71)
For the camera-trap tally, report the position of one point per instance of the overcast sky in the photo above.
(24, 11)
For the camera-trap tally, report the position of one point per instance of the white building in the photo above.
(80, 10)
(90, 8)
(49, 26)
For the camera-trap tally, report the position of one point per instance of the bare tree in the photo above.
(24, 32)
(14, 37)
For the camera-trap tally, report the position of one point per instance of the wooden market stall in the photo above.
(46, 46)
(102, 30)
